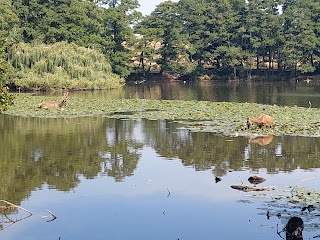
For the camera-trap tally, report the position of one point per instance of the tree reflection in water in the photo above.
(58, 151)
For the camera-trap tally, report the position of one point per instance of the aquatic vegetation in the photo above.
(225, 118)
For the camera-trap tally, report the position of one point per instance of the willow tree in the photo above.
(61, 65)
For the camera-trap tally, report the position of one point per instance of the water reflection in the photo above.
(98, 172)
(279, 93)
(58, 151)
(261, 140)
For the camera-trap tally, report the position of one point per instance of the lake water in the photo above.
(122, 179)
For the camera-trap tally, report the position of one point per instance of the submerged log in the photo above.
(248, 188)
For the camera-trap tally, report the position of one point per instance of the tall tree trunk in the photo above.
(141, 61)
(270, 62)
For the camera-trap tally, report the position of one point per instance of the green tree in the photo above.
(119, 18)
(228, 30)
(198, 24)
(8, 20)
(4, 66)
(166, 18)
(271, 30)
(146, 45)
(301, 34)
(214, 28)
(64, 20)
(6, 99)
(262, 37)
(164, 29)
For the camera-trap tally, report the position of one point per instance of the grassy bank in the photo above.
(220, 117)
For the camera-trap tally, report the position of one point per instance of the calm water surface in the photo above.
(122, 179)
(280, 93)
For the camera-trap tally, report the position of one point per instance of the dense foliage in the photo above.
(234, 36)
(61, 65)
(6, 99)
(189, 36)
(103, 25)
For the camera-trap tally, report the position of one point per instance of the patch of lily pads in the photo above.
(227, 118)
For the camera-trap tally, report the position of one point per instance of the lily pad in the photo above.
(225, 118)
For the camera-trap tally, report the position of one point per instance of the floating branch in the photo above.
(168, 192)
(53, 216)
(240, 179)
(279, 232)
(248, 188)
(9, 207)
(300, 182)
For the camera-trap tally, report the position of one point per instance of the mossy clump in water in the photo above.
(225, 118)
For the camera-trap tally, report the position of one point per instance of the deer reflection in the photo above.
(261, 140)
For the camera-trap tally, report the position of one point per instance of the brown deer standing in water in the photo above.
(261, 140)
(263, 120)
(55, 105)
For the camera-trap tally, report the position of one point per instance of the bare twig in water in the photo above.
(53, 216)
(168, 192)
(279, 233)
(240, 179)
(300, 182)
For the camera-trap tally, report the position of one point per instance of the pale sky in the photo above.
(147, 6)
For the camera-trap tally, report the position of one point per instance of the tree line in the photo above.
(194, 37)
(230, 36)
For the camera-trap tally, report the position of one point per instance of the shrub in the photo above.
(6, 99)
